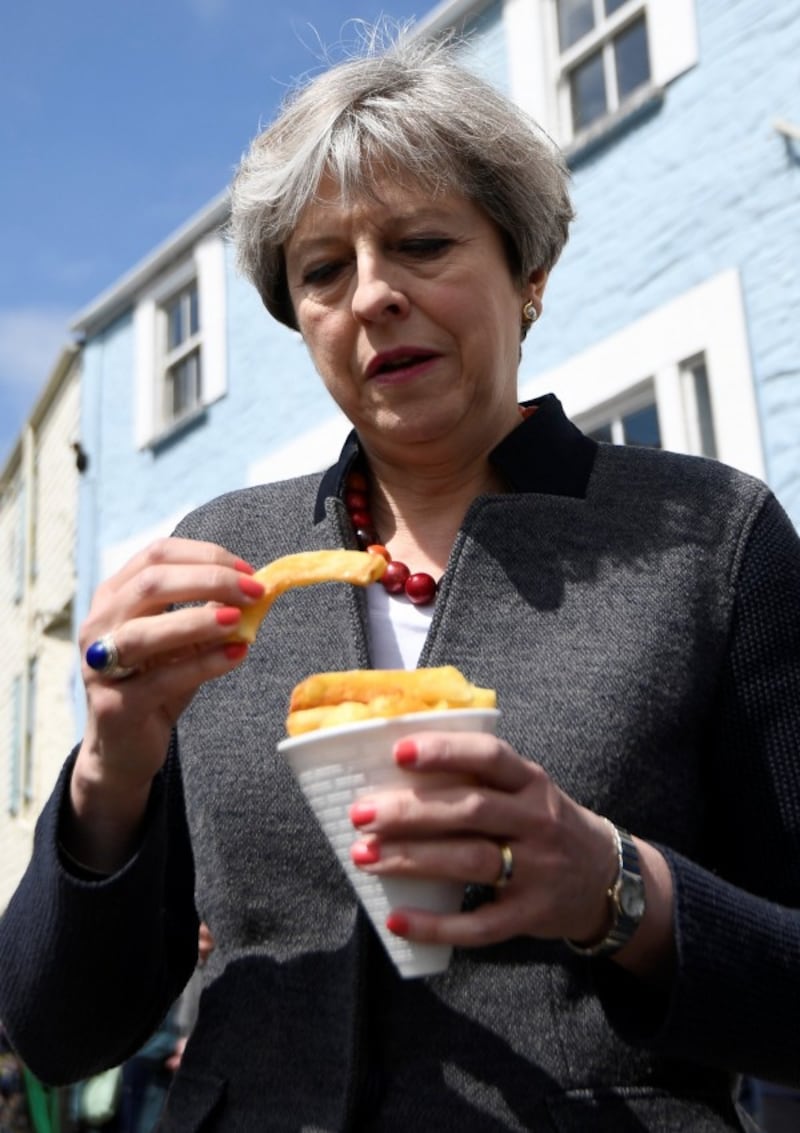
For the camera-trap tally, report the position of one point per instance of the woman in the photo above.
(636, 612)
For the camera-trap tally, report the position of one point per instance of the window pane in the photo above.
(183, 386)
(632, 59)
(575, 20)
(697, 373)
(705, 415)
(14, 767)
(175, 334)
(612, 5)
(641, 427)
(181, 394)
(588, 91)
(183, 316)
(30, 725)
(194, 311)
(601, 433)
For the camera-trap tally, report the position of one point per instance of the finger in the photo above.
(443, 811)
(157, 588)
(172, 551)
(149, 596)
(480, 755)
(160, 638)
(492, 923)
(475, 860)
(185, 674)
(165, 688)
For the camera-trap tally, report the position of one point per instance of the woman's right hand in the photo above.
(172, 652)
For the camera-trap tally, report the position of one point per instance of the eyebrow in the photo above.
(426, 215)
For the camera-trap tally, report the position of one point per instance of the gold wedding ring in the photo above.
(506, 866)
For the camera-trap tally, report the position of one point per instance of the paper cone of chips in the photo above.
(335, 765)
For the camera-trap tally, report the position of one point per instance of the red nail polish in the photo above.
(405, 753)
(365, 853)
(398, 924)
(251, 587)
(244, 567)
(235, 650)
(362, 813)
(227, 615)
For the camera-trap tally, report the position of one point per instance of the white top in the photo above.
(398, 629)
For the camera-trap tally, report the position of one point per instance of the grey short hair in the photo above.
(414, 111)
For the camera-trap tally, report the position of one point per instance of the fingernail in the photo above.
(235, 650)
(365, 853)
(244, 567)
(398, 924)
(251, 587)
(362, 813)
(405, 753)
(227, 615)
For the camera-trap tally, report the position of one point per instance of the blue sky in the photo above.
(118, 120)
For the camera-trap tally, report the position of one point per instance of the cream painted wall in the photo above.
(38, 512)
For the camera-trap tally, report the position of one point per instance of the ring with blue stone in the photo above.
(103, 656)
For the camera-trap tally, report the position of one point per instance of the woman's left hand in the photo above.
(564, 855)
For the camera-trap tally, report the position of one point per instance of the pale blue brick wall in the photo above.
(275, 393)
(486, 49)
(702, 184)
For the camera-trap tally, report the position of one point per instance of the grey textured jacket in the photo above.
(638, 614)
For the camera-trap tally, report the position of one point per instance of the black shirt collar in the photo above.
(546, 453)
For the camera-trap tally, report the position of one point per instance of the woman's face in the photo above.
(408, 307)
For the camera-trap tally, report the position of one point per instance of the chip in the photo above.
(305, 569)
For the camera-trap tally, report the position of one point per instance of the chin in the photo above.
(417, 424)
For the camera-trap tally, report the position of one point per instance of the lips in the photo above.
(401, 359)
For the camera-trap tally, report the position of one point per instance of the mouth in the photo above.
(403, 360)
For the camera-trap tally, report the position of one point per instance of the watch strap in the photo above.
(623, 924)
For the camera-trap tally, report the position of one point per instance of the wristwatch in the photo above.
(626, 899)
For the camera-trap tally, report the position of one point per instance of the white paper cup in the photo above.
(334, 766)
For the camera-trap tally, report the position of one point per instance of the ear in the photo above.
(533, 291)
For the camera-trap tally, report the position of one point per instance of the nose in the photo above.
(378, 294)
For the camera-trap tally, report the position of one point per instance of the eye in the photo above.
(425, 247)
(321, 273)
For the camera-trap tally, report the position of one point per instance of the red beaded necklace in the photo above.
(419, 588)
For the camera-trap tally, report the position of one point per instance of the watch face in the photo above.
(631, 897)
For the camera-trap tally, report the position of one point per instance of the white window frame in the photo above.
(698, 419)
(599, 41)
(173, 356)
(206, 266)
(612, 413)
(707, 320)
(534, 58)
